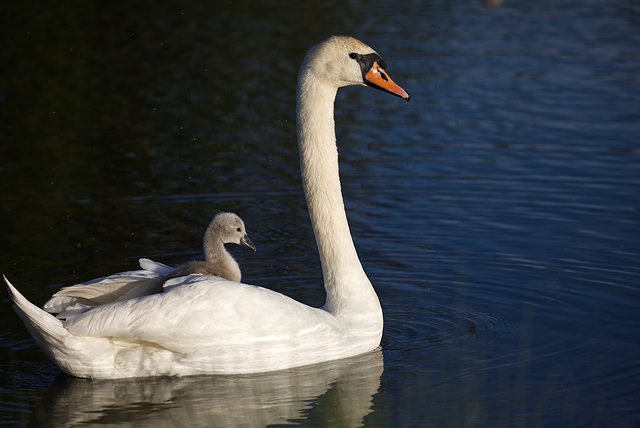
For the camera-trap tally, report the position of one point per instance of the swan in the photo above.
(224, 228)
(207, 325)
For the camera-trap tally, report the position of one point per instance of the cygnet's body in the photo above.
(225, 228)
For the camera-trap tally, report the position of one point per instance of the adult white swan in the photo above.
(207, 325)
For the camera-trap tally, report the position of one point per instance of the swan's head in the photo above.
(228, 228)
(344, 61)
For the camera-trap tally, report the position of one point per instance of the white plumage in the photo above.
(207, 325)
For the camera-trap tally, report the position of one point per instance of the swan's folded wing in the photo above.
(156, 267)
(72, 310)
(108, 290)
(120, 286)
(207, 312)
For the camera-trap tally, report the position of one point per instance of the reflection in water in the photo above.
(244, 400)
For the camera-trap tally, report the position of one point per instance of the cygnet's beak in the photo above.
(246, 242)
(377, 78)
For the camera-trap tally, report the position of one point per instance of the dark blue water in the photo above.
(497, 213)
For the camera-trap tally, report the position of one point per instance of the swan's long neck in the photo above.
(350, 295)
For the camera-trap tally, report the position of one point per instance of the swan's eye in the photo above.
(353, 55)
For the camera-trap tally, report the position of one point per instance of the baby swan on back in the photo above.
(225, 228)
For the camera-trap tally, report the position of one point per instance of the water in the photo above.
(497, 213)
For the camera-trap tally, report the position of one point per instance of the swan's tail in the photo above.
(75, 355)
(48, 331)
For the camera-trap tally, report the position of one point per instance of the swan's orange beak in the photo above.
(377, 78)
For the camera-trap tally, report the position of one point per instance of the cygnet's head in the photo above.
(228, 228)
(342, 61)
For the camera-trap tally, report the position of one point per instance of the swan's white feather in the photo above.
(123, 285)
(207, 325)
(232, 327)
(158, 268)
(214, 311)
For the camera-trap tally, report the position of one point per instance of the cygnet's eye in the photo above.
(353, 55)
(239, 230)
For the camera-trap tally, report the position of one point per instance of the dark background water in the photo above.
(497, 213)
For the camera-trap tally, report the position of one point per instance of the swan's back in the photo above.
(227, 269)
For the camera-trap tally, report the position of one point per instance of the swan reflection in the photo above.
(341, 390)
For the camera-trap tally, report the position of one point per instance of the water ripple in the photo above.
(416, 327)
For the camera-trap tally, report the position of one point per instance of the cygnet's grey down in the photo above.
(225, 228)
